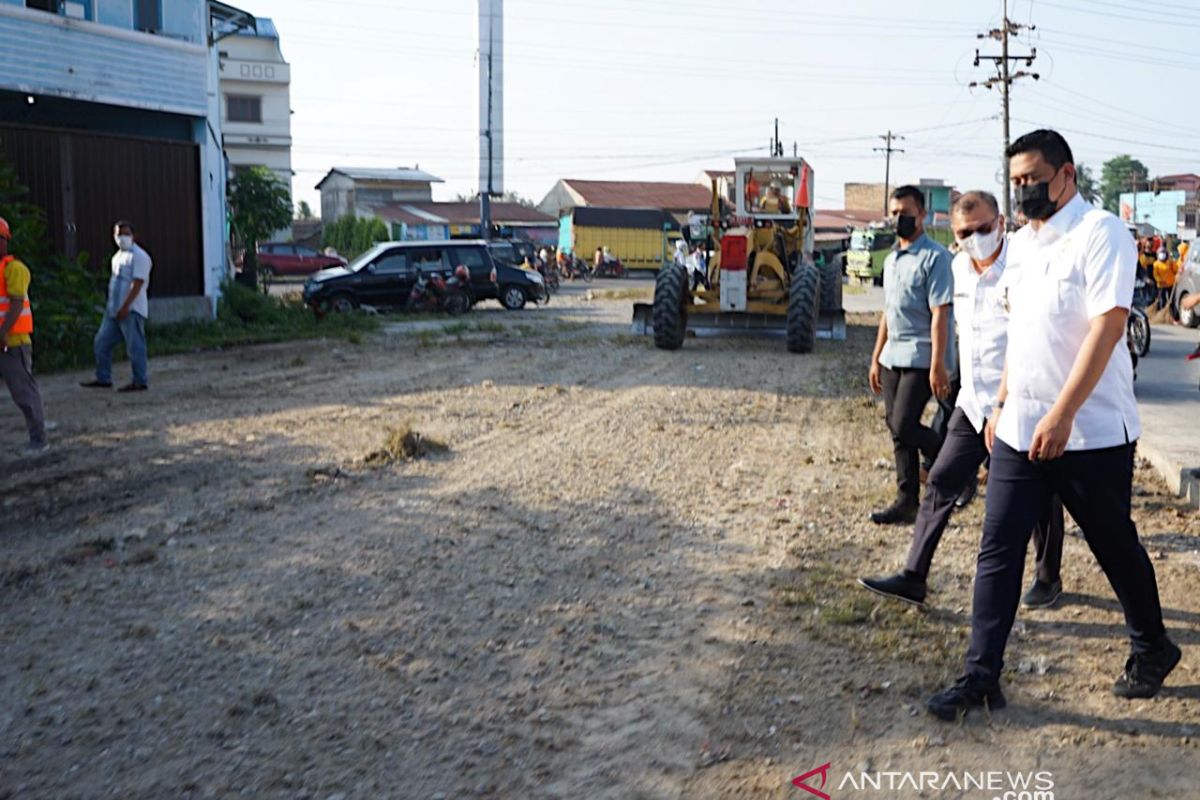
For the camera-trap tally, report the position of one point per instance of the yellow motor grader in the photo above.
(761, 275)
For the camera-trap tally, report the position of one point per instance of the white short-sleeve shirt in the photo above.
(982, 334)
(127, 266)
(1079, 265)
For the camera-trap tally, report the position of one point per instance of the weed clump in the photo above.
(404, 443)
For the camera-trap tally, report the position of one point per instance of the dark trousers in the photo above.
(1095, 486)
(16, 370)
(905, 393)
(956, 466)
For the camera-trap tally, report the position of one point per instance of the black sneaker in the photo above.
(900, 512)
(967, 494)
(968, 692)
(1144, 673)
(899, 586)
(96, 384)
(1042, 594)
(133, 387)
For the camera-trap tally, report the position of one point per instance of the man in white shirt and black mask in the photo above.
(1065, 421)
(983, 338)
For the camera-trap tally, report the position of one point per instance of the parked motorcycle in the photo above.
(1137, 333)
(433, 293)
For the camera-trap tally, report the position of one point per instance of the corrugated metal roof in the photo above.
(462, 214)
(406, 174)
(642, 194)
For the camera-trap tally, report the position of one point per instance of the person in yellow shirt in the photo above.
(16, 343)
(1165, 270)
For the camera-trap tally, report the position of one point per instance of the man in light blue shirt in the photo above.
(914, 350)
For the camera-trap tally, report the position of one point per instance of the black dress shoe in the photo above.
(1042, 594)
(898, 513)
(968, 692)
(134, 387)
(899, 586)
(1145, 672)
(96, 384)
(967, 494)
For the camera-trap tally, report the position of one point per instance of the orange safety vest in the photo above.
(24, 323)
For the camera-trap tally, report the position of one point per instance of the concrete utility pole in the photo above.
(887, 164)
(491, 109)
(1004, 80)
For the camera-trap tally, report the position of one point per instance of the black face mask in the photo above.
(1034, 201)
(906, 227)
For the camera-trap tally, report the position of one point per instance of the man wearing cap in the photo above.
(16, 343)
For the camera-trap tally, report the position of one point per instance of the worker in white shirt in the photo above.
(1065, 421)
(982, 338)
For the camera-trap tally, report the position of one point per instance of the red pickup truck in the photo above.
(285, 258)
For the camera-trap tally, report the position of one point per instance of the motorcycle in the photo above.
(1137, 333)
(609, 268)
(432, 293)
(577, 268)
(549, 275)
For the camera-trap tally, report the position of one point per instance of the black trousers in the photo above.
(1095, 486)
(957, 465)
(905, 394)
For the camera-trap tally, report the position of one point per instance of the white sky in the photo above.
(660, 89)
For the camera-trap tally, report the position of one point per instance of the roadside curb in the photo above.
(1183, 481)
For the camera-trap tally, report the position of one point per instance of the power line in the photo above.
(887, 149)
(1005, 80)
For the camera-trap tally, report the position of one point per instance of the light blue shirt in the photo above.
(916, 279)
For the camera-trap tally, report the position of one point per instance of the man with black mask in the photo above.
(914, 350)
(1069, 426)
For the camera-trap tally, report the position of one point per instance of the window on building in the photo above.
(243, 108)
(147, 15)
(1189, 219)
(43, 5)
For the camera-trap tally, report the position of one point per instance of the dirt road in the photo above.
(630, 576)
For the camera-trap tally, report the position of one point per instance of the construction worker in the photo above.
(16, 343)
(1069, 427)
(774, 202)
(1165, 271)
(914, 355)
(126, 312)
(983, 336)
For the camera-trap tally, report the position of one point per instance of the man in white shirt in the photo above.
(125, 313)
(983, 336)
(1066, 421)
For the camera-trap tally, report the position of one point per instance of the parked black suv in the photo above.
(383, 277)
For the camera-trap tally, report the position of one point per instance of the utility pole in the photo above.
(887, 149)
(1005, 80)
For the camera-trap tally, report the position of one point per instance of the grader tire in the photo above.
(669, 316)
(831, 278)
(804, 298)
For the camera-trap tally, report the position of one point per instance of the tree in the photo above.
(304, 210)
(1085, 182)
(507, 197)
(1121, 174)
(259, 205)
(352, 236)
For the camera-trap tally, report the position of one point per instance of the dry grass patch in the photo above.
(405, 443)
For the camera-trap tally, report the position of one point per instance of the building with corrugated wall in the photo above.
(109, 110)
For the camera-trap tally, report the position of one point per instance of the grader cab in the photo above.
(761, 274)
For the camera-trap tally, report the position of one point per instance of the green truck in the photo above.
(870, 246)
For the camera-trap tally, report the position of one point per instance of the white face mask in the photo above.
(124, 242)
(981, 246)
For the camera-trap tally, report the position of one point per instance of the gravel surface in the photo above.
(629, 575)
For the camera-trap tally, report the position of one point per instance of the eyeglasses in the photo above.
(967, 233)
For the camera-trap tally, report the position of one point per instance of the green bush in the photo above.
(351, 236)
